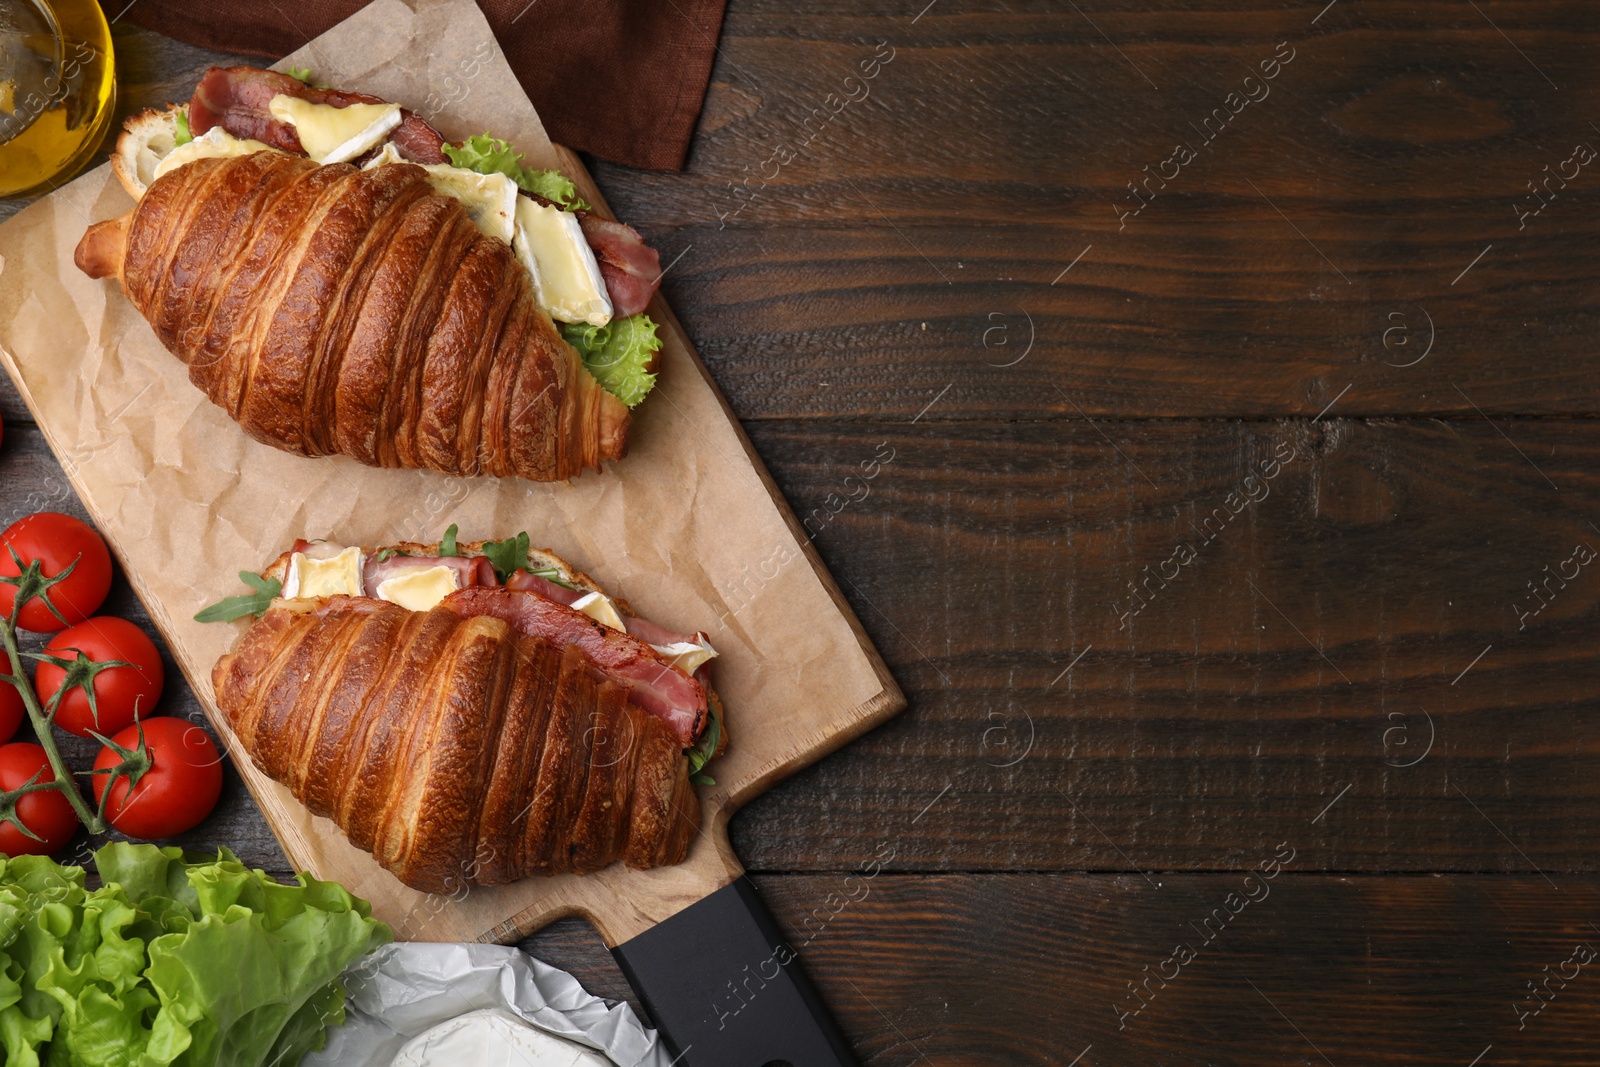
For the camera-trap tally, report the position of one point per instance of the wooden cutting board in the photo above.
(690, 528)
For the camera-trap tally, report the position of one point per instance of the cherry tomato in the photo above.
(180, 788)
(12, 711)
(118, 691)
(47, 813)
(56, 540)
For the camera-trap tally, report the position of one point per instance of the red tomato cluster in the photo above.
(184, 777)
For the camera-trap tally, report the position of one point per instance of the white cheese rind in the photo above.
(214, 142)
(490, 200)
(493, 1038)
(566, 276)
(335, 134)
(418, 588)
(600, 608)
(335, 575)
(688, 656)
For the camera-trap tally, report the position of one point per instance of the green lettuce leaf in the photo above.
(181, 136)
(490, 155)
(198, 963)
(617, 354)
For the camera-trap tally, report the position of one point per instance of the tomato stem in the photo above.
(32, 584)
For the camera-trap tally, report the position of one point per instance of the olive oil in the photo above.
(57, 91)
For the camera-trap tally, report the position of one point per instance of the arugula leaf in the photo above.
(447, 547)
(390, 552)
(181, 121)
(508, 556)
(701, 754)
(302, 74)
(617, 354)
(490, 155)
(550, 574)
(236, 607)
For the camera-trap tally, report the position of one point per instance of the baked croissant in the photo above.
(455, 749)
(330, 310)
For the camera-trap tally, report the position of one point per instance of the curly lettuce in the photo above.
(171, 961)
(618, 354)
(490, 155)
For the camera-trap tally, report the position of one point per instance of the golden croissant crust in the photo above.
(330, 310)
(453, 749)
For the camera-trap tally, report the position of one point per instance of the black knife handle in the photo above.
(725, 989)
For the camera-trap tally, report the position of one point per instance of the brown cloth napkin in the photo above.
(623, 79)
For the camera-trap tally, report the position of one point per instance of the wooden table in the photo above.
(1240, 392)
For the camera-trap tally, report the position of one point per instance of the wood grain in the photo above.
(1033, 969)
(868, 273)
(874, 268)
(895, 270)
(1178, 744)
(1294, 656)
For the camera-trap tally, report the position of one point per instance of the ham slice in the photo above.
(631, 268)
(667, 693)
(533, 583)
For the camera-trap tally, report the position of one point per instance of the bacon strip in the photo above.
(631, 268)
(643, 629)
(237, 99)
(667, 693)
(416, 141)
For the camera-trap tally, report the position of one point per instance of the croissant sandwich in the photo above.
(341, 280)
(471, 714)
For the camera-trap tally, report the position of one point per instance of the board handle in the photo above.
(725, 989)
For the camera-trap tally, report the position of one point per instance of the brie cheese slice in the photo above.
(214, 142)
(687, 656)
(331, 576)
(418, 588)
(490, 200)
(566, 276)
(600, 608)
(335, 134)
(494, 1037)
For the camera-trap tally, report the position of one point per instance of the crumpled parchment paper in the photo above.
(684, 528)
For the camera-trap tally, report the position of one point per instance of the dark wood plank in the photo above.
(985, 558)
(1035, 969)
(1305, 649)
(867, 274)
(912, 241)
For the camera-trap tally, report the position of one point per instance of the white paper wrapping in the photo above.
(406, 988)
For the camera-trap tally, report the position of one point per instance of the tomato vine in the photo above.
(32, 583)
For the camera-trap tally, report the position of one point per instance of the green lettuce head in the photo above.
(198, 963)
